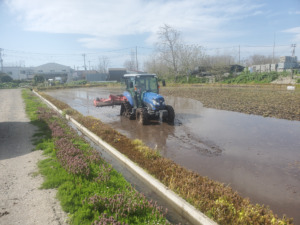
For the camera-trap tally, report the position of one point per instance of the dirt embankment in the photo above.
(21, 200)
(269, 101)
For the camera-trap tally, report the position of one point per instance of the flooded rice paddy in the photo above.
(257, 156)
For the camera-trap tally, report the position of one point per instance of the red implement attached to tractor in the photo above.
(110, 101)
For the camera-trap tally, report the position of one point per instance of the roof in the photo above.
(136, 75)
(117, 69)
(51, 65)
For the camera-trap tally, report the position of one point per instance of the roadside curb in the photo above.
(184, 208)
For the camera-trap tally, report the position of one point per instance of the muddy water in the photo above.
(259, 157)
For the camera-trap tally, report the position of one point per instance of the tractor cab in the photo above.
(137, 85)
(141, 82)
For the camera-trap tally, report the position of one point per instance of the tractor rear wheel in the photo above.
(142, 116)
(171, 114)
(122, 109)
(128, 111)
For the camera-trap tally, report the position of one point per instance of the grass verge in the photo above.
(217, 201)
(89, 189)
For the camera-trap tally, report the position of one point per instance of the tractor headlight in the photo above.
(158, 102)
(155, 102)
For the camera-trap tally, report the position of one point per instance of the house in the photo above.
(287, 62)
(116, 74)
(52, 70)
(48, 71)
(89, 75)
(18, 72)
(96, 76)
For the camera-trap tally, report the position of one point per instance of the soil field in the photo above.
(268, 101)
(257, 156)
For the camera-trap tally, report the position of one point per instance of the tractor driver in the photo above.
(141, 86)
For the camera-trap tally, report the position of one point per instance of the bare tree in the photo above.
(190, 57)
(103, 64)
(131, 64)
(173, 56)
(168, 46)
(218, 60)
(155, 65)
(258, 59)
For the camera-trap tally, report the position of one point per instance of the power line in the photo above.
(66, 54)
(120, 54)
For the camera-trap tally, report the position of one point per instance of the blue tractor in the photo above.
(142, 100)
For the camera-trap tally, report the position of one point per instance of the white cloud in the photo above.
(98, 42)
(294, 12)
(296, 33)
(294, 30)
(257, 13)
(104, 22)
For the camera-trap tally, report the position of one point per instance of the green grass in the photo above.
(103, 195)
(31, 107)
(8, 85)
(254, 78)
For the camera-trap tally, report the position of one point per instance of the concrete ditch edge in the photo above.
(182, 207)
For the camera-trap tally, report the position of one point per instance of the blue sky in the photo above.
(34, 32)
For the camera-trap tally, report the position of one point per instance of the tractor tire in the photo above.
(128, 111)
(171, 114)
(142, 116)
(122, 109)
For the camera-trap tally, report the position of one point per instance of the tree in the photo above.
(6, 78)
(103, 64)
(258, 59)
(168, 46)
(38, 78)
(190, 57)
(131, 64)
(173, 57)
(155, 65)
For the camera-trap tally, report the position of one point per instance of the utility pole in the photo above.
(133, 61)
(293, 50)
(136, 60)
(84, 65)
(1, 60)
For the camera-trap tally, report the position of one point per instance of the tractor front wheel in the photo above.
(142, 116)
(171, 114)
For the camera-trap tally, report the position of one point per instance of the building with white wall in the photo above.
(286, 63)
(18, 72)
(48, 70)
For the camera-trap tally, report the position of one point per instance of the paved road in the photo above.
(21, 200)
